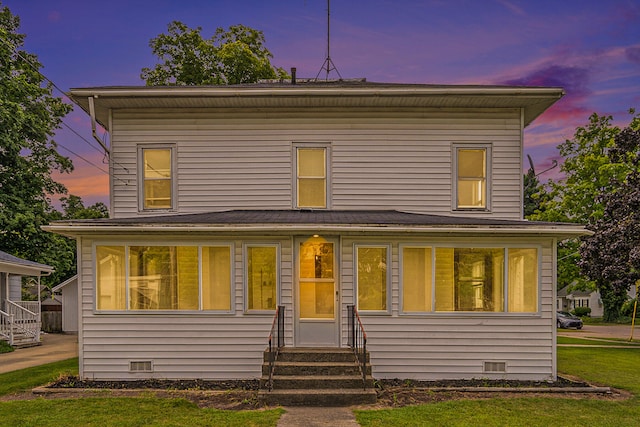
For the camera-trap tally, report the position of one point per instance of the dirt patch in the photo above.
(243, 394)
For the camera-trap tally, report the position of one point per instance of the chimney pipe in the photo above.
(293, 75)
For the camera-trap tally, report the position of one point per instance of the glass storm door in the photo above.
(316, 296)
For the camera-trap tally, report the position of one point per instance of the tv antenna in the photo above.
(328, 66)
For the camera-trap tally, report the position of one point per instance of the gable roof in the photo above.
(14, 265)
(316, 220)
(72, 279)
(345, 94)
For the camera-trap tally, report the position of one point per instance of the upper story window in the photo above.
(157, 172)
(471, 177)
(311, 177)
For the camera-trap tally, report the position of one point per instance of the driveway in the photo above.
(602, 331)
(54, 347)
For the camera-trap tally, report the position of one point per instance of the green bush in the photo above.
(582, 311)
(5, 347)
(627, 309)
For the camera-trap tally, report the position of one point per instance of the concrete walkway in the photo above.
(317, 417)
(54, 347)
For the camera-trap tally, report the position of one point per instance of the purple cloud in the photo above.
(633, 54)
(575, 80)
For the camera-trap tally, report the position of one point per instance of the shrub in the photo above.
(627, 309)
(5, 347)
(582, 311)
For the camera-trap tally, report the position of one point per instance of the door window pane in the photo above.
(262, 277)
(316, 280)
(416, 279)
(472, 178)
(216, 278)
(110, 278)
(523, 280)
(372, 277)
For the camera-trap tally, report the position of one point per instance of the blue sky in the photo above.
(590, 48)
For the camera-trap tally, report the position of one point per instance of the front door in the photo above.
(316, 292)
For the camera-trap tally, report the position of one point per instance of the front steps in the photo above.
(316, 377)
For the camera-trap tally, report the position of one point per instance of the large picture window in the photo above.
(446, 279)
(372, 277)
(261, 272)
(311, 177)
(157, 178)
(163, 278)
(471, 178)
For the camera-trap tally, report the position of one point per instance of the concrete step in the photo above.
(313, 368)
(309, 354)
(318, 397)
(312, 382)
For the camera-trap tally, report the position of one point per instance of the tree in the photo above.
(232, 56)
(611, 257)
(588, 172)
(29, 115)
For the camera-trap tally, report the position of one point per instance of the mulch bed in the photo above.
(243, 394)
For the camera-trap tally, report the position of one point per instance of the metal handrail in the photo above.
(358, 340)
(276, 341)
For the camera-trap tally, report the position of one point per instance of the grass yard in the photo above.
(112, 411)
(616, 367)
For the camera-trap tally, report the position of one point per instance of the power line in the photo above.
(82, 158)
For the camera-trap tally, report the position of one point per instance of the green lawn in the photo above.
(599, 342)
(110, 411)
(615, 367)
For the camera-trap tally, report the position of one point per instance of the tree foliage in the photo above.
(588, 172)
(29, 117)
(611, 257)
(233, 56)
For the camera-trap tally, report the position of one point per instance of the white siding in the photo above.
(399, 159)
(428, 347)
(179, 345)
(456, 345)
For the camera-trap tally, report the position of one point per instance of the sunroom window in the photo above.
(372, 277)
(449, 279)
(145, 278)
(261, 272)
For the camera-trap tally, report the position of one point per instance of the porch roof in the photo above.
(317, 220)
(14, 265)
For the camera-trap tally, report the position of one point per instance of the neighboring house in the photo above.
(403, 200)
(567, 300)
(19, 320)
(68, 291)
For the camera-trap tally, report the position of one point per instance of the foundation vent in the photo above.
(495, 366)
(140, 366)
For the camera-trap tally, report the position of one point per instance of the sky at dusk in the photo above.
(590, 48)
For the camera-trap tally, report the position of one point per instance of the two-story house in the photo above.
(403, 200)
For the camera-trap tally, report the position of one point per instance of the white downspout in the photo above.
(92, 113)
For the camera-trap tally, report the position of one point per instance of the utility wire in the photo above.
(37, 70)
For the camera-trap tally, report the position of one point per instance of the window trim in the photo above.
(389, 285)
(141, 179)
(456, 147)
(198, 245)
(294, 172)
(245, 276)
(505, 309)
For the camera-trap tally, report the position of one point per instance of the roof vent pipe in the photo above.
(293, 75)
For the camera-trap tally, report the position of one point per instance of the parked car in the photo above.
(568, 320)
